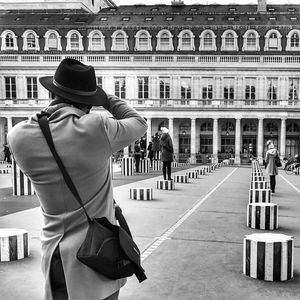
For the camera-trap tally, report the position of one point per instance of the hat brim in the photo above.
(98, 99)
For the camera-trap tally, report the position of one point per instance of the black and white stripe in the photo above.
(263, 195)
(156, 165)
(143, 193)
(268, 256)
(257, 178)
(13, 244)
(192, 174)
(257, 185)
(262, 216)
(200, 171)
(181, 178)
(165, 185)
(127, 165)
(4, 171)
(144, 165)
(22, 186)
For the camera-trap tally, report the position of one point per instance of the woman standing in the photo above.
(166, 148)
(271, 168)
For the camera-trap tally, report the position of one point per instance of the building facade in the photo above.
(223, 78)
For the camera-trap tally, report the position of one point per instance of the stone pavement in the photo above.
(197, 231)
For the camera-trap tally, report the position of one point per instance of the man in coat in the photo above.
(84, 141)
(167, 152)
(271, 168)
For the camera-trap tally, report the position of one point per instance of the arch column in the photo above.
(149, 130)
(2, 132)
(260, 140)
(215, 140)
(193, 140)
(282, 138)
(171, 128)
(237, 158)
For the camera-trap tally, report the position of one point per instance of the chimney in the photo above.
(177, 2)
(261, 5)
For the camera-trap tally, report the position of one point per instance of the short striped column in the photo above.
(127, 166)
(192, 174)
(144, 165)
(258, 185)
(263, 195)
(22, 186)
(141, 193)
(297, 171)
(181, 178)
(4, 171)
(156, 165)
(200, 171)
(257, 178)
(165, 185)
(207, 169)
(174, 164)
(268, 256)
(262, 216)
(13, 244)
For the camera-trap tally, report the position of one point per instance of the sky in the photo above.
(189, 2)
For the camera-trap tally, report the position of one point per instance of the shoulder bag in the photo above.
(277, 161)
(107, 249)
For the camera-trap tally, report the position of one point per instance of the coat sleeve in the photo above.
(126, 126)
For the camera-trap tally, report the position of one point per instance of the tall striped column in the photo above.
(22, 186)
(144, 165)
(156, 165)
(268, 256)
(127, 165)
(13, 244)
(263, 195)
(262, 216)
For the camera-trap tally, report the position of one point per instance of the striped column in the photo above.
(144, 165)
(200, 171)
(263, 195)
(127, 165)
(174, 164)
(142, 193)
(192, 174)
(4, 171)
(262, 216)
(207, 169)
(13, 244)
(268, 256)
(22, 186)
(181, 178)
(258, 185)
(165, 185)
(156, 165)
(257, 178)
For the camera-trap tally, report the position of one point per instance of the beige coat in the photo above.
(85, 143)
(271, 168)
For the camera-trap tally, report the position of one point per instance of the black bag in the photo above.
(107, 249)
(277, 161)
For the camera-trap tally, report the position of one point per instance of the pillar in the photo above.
(149, 130)
(260, 140)
(2, 132)
(282, 138)
(171, 128)
(193, 141)
(237, 159)
(215, 141)
(9, 123)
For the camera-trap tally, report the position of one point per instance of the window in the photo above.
(120, 87)
(250, 91)
(30, 41)
(164, 87)
(143, 41)
(169, 18)
(293, 38)
(125, 19)
(52, 40)
(164, 41)
(251, 41)
(293, 91)
(99, 81)
(273, 41)
(103, 19)
(119, 41)
(206, 126)
(10, 87)
(96, 41)
(148, 19)
(189, 18)
(74, 41)
(228, 90)
(272, 90)
(251, 18)
(186, 40)
(9, 40)
(143, 87)
(207, 89)
(229, 41)
(32, 92)
(207, 40)
(186, 90)
(210, 19)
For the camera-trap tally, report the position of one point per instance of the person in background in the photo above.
(7, 154)
(150, 153)
(167, 152)
(77, 135)
(271, 168)
(155, 147)
(137, 155)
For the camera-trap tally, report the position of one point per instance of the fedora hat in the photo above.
(76, 82)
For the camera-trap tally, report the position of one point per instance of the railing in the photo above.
(176, 103)
(191, 60)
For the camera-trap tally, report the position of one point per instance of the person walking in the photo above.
(166, 148)
(270, 163)
(77, 135)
